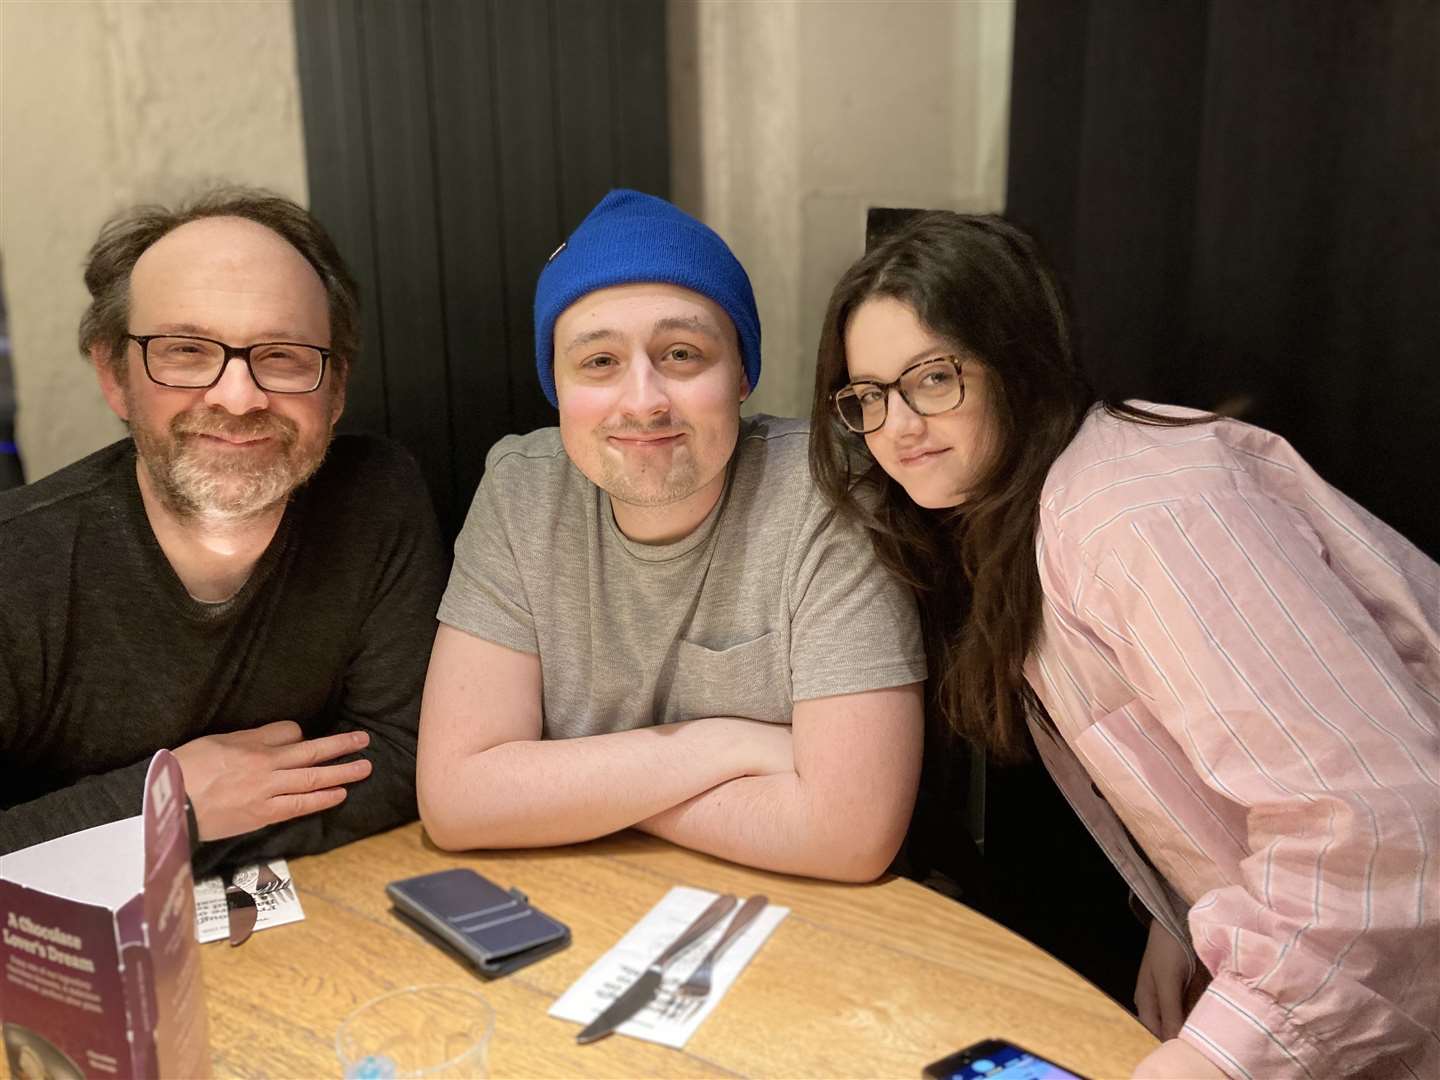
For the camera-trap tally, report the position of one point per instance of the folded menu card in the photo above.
(99, 968)
(671, 1018)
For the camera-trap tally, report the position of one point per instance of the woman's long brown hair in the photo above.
(982, 284)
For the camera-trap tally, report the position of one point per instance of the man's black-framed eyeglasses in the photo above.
(929, 387)
(196, 363)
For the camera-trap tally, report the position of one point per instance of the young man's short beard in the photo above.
(680, 483)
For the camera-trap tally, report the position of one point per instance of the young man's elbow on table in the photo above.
(853, 841)
(861, 849)
(842, 813)
(858, 863)
(487, 799)
(816, 823)
(441, 826)
(441, 782)
(451, 818)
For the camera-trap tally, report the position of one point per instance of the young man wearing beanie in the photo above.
(653, 619)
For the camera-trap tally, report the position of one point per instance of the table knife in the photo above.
(642, 991)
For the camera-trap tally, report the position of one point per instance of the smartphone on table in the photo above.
(494, 930)
(996, 1059)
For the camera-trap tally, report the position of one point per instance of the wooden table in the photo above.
(858, 981)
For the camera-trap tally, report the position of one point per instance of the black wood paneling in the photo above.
(410, 304)
(526, 69)
(472, 236)
(451, 146)
(337, 153)
(585, 106)
(639, 37)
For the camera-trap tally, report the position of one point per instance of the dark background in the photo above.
(1245, 200)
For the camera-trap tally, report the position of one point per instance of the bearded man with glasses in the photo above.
(227, 583)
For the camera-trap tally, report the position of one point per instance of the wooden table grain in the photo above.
(859, 981)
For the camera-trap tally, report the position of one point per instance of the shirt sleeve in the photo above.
(1290, 699)
(95, 800)
(486, 595)
(853, 625)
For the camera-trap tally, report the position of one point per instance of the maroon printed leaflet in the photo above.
(99, 968)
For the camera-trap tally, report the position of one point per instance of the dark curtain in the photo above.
(1245, 199)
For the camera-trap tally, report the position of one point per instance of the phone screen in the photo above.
(998, 1061)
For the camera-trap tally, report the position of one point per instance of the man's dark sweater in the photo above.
(105, 658)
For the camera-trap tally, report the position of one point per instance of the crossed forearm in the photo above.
(839, 812)
(782, 823)
(531, 793)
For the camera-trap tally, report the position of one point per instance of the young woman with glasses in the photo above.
(1230, 669)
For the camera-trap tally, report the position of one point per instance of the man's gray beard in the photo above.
(193, 488)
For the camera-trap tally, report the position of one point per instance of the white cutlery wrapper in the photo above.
(668, 1019)
(212, 917)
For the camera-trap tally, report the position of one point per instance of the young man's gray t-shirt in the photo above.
(772, 600)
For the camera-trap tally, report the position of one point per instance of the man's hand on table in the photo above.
(245, 780)
(1176, 1059)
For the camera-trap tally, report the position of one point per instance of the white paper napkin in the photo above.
(212, 918)
(670, 1019)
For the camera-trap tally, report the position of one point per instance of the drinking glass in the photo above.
(421, 1031)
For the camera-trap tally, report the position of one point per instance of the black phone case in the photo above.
(493, 930)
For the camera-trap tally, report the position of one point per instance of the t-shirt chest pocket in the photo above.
(750, 679)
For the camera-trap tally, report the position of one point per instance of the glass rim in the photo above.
(487, 1014)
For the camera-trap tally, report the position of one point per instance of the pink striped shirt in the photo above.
(1243, 667)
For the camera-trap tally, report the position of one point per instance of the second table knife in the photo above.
(642, 991)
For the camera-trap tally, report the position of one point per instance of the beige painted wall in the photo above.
(102, 105)
(790, 117)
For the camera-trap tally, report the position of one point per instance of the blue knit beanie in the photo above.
(632, 237)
